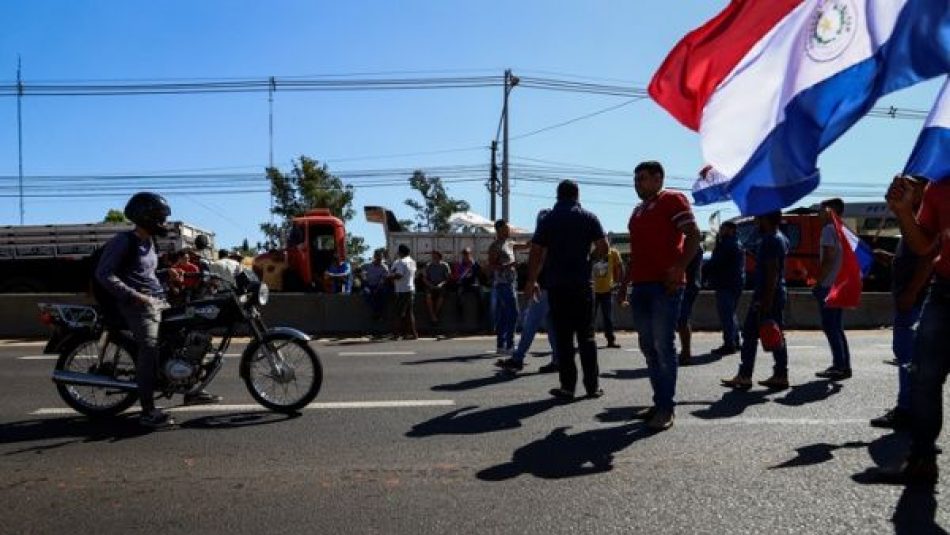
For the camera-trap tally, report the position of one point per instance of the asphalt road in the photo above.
(469, 451)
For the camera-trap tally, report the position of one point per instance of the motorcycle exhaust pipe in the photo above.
(88, 379)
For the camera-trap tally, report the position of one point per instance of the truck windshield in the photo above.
(296, 236)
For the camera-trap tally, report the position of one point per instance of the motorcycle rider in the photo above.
(139, 296)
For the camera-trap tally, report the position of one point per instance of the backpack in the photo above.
(106, 301)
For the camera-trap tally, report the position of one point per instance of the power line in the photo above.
(577, 119)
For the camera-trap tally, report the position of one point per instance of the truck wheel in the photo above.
(24, 285)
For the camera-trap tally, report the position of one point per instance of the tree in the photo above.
(310, 185)
(115, 216)
(245, 249)
(432, 214)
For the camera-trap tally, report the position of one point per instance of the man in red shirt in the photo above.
(926, 234)
(663, 239)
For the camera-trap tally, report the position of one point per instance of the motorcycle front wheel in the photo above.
(283, 374)
(97, 402)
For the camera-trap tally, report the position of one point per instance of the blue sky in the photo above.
(618, 41)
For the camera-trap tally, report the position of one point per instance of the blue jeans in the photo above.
(832, 323)
(929, 370)
(535, 315)
(605, 302)
(506, 315)
(654, 315)
(750, 338)
(727, 301)
(903, 346)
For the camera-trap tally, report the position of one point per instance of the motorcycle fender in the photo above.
(272, 333)
(62, 339)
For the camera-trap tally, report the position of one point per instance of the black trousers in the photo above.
(572, 315)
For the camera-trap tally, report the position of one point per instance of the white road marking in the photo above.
(37, 343)
(395, 404)
(770, 421)
(54, 357)
(374, 353)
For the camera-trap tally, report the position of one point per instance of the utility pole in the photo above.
(493, 180)
(271, 87)
(510, 82)
(19, 132)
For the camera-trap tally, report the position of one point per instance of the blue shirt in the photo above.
(343, 282)
(726, 268)
(771, 247)
(567, 233)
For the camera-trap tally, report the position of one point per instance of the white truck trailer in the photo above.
(50, 258)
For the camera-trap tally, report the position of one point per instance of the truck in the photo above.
(312, 244)
(467, 230)
(49, 258)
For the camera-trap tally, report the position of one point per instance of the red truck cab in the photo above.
(802, 227)
(315, 240)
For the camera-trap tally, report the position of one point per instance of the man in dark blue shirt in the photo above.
(726, 275)
(562, 245)
(768, 304)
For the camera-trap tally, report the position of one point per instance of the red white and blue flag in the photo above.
(856, 261)
(931, 155)
(769, 84)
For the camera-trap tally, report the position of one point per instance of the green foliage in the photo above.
(307, 186)
(115, 216)
(355, 249)
(245, 249)
(432, 214)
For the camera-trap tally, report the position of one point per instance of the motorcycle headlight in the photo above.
(263, 294)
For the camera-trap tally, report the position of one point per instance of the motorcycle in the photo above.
(95, 371)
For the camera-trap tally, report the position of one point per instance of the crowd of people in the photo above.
(573, 273)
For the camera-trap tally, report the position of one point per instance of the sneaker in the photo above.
(662, 420)
(913, 471)
(738, 382)
(503, 352)
(895, 418)
(511, 365)
(202, 398)
(776, 382)
(724, 350)
(156, 419)
(562, 394)
(834, 374)
(613, 344)
(549, 368)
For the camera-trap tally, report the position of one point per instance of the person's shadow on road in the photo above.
(69, 430)
(457, 358)
(638, 373)
(561, 455)
(469, 384)
(916, 511)
(733, 403)
(811, 392)
(464, 422)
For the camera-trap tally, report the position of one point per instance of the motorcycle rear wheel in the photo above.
(286, 392)
(97, 402)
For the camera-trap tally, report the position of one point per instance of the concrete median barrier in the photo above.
(349, 315)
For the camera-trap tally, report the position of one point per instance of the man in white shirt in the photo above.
(832, 319)
(403, 275)
(225, 267)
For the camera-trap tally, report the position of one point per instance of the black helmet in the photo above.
(201, 242)
(149, 211)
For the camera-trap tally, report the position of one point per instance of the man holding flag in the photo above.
(927, 232)
(830, 267)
